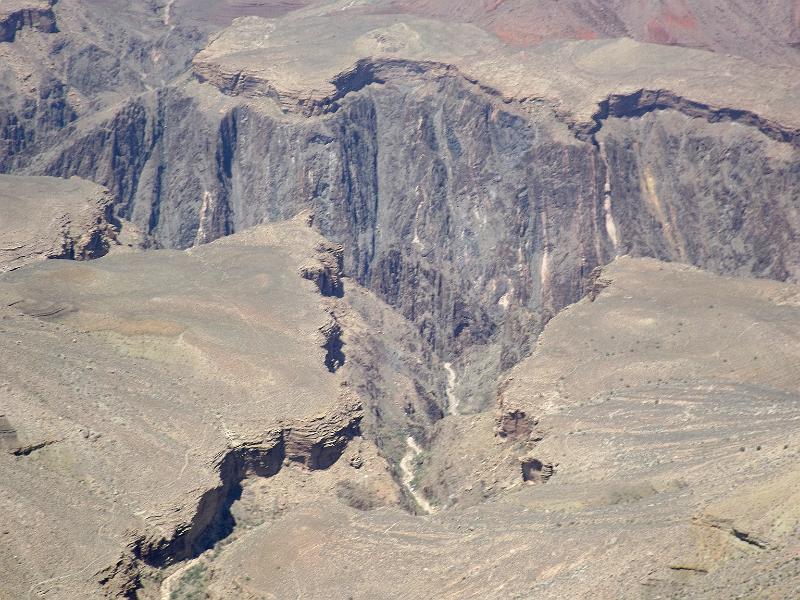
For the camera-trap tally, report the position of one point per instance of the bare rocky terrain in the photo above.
(44, 217)
(670, 455)
(399, 299)
(765, 32)
(142, 389)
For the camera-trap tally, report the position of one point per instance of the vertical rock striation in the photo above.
(478, 219)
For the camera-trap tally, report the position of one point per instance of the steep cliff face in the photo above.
(316, 444)
(477, 219)
(393, 174)
(400, 170)
(718, 195)
(26, 120)
(71, 59)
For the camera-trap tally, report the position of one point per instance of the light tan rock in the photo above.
(45, 217)
(142, 390)
(257, 57)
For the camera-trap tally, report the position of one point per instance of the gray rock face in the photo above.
(720, 196)
(26, 120)
(478, 220)
(76, 58)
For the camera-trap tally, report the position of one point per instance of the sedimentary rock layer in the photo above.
(45, 217)
(140, 391)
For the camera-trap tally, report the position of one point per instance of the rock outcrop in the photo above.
(327, 269)
(681, 450)
(153, 390)
(44, 217)
(19, 14)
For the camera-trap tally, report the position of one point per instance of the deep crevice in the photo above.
(333, 346)
(748, 539)
(316, 445)
(28, 450)
(644, 101)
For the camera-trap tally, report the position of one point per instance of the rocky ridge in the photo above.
(253, 58)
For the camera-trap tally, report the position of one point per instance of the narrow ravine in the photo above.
(407, 467)
(452, 399)
(611, 225)
(168, 13)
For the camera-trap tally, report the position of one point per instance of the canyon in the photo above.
(359, 283)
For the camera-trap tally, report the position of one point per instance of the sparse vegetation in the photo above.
(419, 464)
(356, 495)
(192, 584)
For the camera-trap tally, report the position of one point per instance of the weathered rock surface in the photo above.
(474, 194)
(659, 325)
(141, 390)
(256, 57)
(219, 13)
(44, 217)
(692, 473)
(96, 54)
(738, 28)
(472, 183)
(19, 14)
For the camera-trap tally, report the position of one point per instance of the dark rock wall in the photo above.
(80, 59)
(455, 210)
(40, 18)
(475, 219)
(721, 196)
(27, 120)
